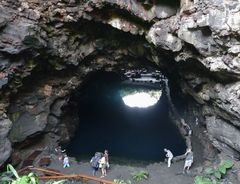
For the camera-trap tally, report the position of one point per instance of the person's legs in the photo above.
(94, 171)
(169, 161)
(184, 168)
(105, 171)
(189, 165)
(66, 165)
(102, 170)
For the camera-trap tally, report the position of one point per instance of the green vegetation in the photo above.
(137, 176)
(122, 181)
(214, 176)
(11, 177)
(140, 175)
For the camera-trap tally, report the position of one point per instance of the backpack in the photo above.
(94, 162)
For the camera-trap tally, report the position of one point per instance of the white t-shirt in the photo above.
(102, 160)
(65, 160)
(169, 154)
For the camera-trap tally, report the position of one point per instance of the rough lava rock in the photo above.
(5, 144)
(196, 43)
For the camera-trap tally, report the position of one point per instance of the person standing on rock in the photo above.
(188, 160)
(169, 155)
(66, 161)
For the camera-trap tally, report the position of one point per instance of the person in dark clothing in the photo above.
(95, 162)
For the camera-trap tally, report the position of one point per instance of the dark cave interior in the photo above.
(105, 122)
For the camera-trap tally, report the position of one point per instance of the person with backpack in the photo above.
(95, 162)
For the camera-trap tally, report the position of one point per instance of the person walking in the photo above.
(60, 153)
(188, 160)
(107, 158)
(95, 162)
(169, 155)
(103, 166)
(66, 161)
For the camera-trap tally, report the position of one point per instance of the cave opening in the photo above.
(105, 122)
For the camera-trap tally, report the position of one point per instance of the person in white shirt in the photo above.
(66, 161)
(169, 155)
(103, 166)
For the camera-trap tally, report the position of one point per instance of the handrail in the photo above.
(24, 169)
(39, 169)
(46, 171)
(82, 176)
(59, 175)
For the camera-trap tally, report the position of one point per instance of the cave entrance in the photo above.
(105, 122)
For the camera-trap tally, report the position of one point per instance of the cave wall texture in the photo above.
(47, 47)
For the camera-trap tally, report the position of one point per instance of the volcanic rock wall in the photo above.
(55, 43)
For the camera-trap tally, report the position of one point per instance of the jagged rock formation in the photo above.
(48, 47)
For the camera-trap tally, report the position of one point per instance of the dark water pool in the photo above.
(128, 133)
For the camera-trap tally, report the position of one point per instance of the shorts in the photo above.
(188, 163)
(104, 166)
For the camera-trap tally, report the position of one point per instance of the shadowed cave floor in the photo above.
(159, 173)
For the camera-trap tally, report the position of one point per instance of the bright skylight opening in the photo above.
(141, 99)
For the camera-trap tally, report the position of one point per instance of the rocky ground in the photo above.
(157, 171)
(196, 44)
